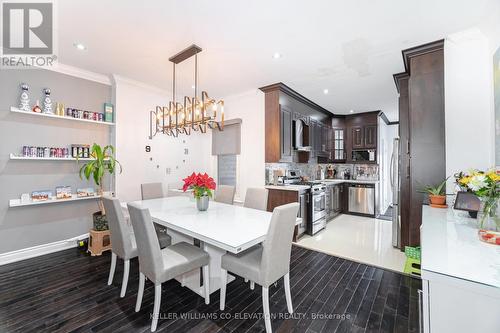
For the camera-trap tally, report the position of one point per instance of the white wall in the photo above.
(248, 106)
(133, 101)
(469, 114)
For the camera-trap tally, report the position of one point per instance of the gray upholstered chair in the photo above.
(122, 240)
(225, 194)
(155, 191)
(256, 198)
(266, 264)
(161, 265)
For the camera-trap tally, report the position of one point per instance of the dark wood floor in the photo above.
(67, 291)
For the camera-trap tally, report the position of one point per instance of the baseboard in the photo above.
(39, 250)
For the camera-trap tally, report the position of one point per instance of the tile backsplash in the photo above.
(310, 170)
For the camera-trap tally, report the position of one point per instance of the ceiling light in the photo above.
(80, 46)
(193, 87)
(325, 91)
(277, 55)
(352, 111)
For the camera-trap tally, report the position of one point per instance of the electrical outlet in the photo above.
(186, 151)
(168, 170)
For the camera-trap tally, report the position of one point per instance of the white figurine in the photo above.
(24, 100)
(47, 102)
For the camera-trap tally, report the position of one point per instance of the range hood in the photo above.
(301, 136)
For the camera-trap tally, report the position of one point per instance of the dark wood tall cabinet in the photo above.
(421, 131)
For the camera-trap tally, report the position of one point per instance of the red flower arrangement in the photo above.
(202, 184)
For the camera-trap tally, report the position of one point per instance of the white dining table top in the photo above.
(229, 227)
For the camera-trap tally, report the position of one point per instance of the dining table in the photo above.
(220, 229)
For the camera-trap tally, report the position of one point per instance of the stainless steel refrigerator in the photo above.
(396, 216)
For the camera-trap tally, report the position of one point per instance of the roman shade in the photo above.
(228, 141)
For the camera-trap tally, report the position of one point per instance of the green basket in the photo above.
(412, 252)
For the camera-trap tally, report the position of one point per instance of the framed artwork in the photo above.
(467, 201)
(63, 192)
(85, 192)
(43, 195)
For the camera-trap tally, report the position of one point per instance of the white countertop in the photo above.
(288, 187)
(450, 246)
(229, 227)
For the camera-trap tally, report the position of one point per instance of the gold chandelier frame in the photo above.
(194, 114)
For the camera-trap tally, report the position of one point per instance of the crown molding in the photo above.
(80, 73)
(420, 50)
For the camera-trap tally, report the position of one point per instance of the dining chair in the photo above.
(155, 191)
(266, 264)
(161, 265)
(123, 243)
(256, 198)
(225, 194)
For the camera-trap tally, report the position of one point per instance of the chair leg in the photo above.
(140, 292)
(288, 295)
(265, 305)
(223, 283)
(112, 268)
(206, 283)
(252, 285)
(156, 307)
(126, 270)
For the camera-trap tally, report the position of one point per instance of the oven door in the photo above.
(318, 206)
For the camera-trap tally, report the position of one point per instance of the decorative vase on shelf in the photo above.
(202, 203)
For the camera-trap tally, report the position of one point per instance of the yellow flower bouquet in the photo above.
(486, 186)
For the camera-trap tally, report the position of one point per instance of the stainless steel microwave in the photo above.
(366, 155)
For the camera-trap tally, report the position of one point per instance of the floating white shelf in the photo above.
(16, 110)
(14, 157)
(18, 203)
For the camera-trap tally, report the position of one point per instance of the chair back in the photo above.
(225, 194)
(278, 244)
(148, 248)
(120, 231)
(256, 198)
(151, 191)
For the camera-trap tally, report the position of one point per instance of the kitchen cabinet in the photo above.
(278, 197)
(370, 136)
(286, 134)
(338, 145)
(357, 137)
(422, 120)
(284, 107)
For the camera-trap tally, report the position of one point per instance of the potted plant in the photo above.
(202, 186)
(437, 195)
(102, 161)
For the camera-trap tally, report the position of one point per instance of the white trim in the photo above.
(39, 250)
(80, 73)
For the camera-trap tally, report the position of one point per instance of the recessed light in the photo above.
(80, 46)
(276, 55)
(325, 91)
(352, 111)
(193, 87)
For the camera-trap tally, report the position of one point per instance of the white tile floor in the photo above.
(361, 239)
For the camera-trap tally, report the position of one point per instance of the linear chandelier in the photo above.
(193, 114)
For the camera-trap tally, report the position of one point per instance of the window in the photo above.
(226, 169)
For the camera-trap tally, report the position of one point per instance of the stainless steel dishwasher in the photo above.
(361, 199)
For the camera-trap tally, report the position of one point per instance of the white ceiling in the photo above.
(352, 48)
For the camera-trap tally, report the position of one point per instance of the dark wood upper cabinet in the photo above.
(286, 134)
(357, 133)
(370, 136)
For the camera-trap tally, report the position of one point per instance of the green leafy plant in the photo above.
(435, 190)
(102, 161)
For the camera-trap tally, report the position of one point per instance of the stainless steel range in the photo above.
(318, 208)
